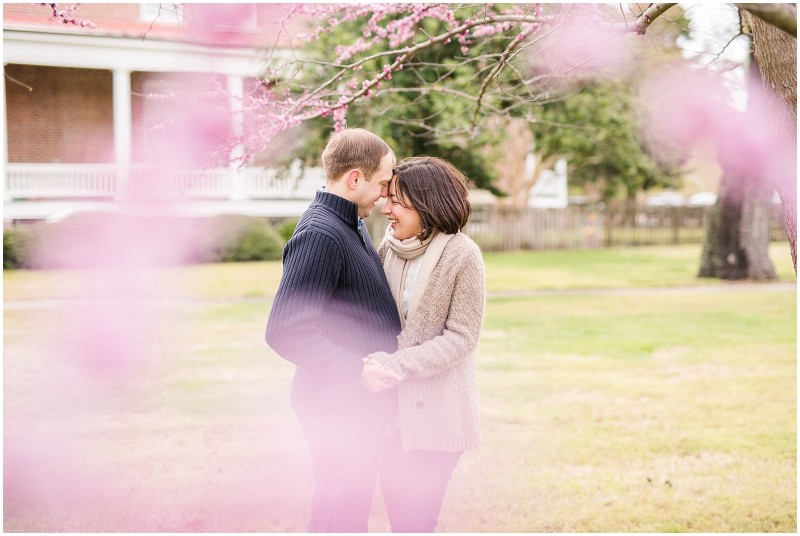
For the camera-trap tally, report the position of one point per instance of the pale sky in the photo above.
(714, 25)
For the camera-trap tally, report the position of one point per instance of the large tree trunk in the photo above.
(775, 53)
(737, 234)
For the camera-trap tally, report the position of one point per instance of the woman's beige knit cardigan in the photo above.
(438, 397)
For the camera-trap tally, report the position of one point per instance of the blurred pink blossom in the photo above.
(684, 108)
(211, 22)
(584, 43)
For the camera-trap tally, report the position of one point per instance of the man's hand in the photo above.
(375, 378)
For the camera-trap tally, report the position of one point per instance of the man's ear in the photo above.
(353, 176)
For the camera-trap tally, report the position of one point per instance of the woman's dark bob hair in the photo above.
(437, 190)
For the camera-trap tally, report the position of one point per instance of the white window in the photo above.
(161, 13)
(235, 17)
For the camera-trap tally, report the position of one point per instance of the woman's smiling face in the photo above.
(405, 221)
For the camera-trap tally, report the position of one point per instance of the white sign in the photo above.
(550, 189)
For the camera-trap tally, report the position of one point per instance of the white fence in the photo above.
(106, 181)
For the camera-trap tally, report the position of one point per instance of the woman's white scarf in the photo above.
(396, 264)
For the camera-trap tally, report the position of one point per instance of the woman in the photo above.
(437, 278)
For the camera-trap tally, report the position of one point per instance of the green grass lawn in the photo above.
(649, 410)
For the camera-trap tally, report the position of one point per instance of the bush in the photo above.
(234, 238)
(18, 247)
(88, 239)
(10, 256)
(257, 242)
(286, 228)
(105, 239)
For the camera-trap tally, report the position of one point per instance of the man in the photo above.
(333, 307)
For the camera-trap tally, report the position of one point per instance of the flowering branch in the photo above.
(502, 82)
(287, 99)
(404, 55)
(65, 16)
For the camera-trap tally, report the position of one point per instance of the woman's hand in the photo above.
(376, 378)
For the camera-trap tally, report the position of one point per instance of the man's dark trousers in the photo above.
(346, 451)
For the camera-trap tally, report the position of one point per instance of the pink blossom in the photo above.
(584, 43)
(340, 118)
(64, 16)
(687, 108)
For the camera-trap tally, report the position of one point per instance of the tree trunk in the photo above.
(722, 253)
(737, 236)
(737, 233)
(775, 53)
(510, 159)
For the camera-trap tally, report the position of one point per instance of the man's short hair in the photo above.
(353, 148)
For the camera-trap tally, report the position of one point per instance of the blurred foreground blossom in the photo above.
(586, 43)
(687, 108)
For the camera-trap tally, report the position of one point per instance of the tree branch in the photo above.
(643, 22)
(495, 72)
(407, 53)
(782, 16)
(65, 16)
(26, 86)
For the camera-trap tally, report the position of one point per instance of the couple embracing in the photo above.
(383, 341)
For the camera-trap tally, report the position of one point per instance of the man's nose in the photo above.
(384, 191)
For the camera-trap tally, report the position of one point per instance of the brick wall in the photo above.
(96, 13)
(251, 25)
(190, 128)
(67, 117)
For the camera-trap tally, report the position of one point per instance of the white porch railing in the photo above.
(105, 181)
(293, 184)
(37, 181)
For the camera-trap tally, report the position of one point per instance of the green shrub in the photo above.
(257, 242)
(105, 239)
(235, 238)
(10, 255)
(286, 228)
(226, 238)
(18, 248)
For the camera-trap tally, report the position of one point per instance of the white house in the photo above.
(74, 122)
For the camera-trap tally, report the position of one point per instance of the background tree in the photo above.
(397, 34)
(774, 50)
(423, 111)
(737, 233)
(597, 129)
(430, 108)
(775, 54)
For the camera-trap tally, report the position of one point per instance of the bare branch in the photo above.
(643, 22)
(494, 74)
(724, 48)
(782, 16)
(14, 80)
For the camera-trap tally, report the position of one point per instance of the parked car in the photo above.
(665, 199)
(702, 199)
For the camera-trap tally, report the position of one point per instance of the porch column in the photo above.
(4, 135)
(122, 131)
(236, 91)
